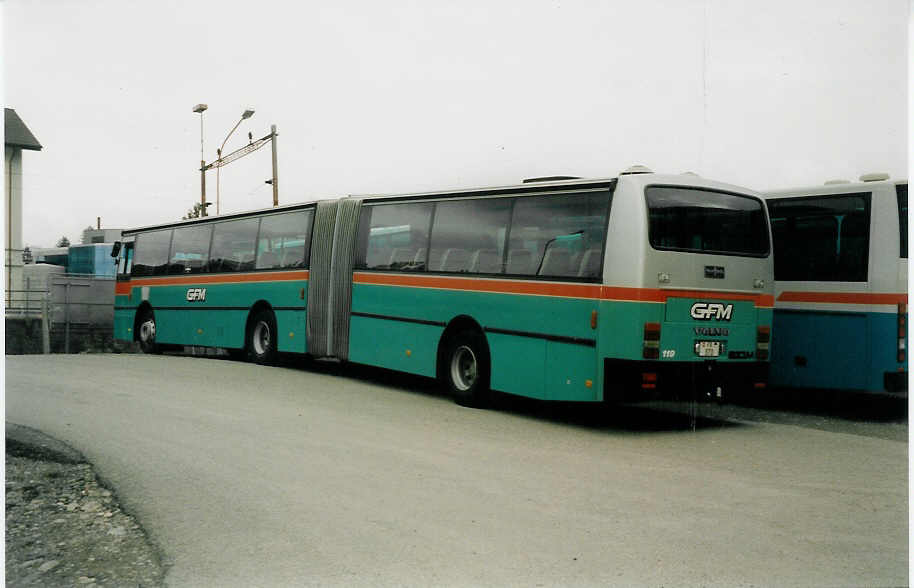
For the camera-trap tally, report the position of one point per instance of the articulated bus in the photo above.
(565, 289)
(841, 273)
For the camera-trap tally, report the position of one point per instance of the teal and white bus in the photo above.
(841, 285)
(566, 289)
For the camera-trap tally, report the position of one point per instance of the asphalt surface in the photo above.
(245, 475)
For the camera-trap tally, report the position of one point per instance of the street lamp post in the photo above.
(200, 108)
(248, 113)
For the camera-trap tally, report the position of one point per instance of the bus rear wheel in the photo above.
(261, 339)
(466, 369)
(146, 332)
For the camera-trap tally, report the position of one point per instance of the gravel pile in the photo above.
(63, 528)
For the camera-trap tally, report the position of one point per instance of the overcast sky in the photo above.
(397, 96)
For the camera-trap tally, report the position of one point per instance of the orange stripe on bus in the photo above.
(586, 291)
(481, 285)
(844, 297)
(125, 287)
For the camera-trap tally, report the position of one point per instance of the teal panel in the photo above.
(290, 325)
(568, 317)
(512, 355)
(621, 327)
(123, 324)
(219, 319)
(834, 350)
(396, 345)
(518, 365)
(569, 368)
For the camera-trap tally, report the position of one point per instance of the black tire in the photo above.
(466, 368)
(146, 332)
(261, 338)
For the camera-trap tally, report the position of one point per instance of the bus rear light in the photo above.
(762, 342)
(593, 319)
(901, 356)
(651, 341)
(649, 380)
(759, 385)
(652, 331)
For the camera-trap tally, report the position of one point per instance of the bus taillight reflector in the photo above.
(651, 341)
(593, 319)
(759, 385)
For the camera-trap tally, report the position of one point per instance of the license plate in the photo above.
(707, 348)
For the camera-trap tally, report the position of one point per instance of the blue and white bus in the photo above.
(841, 271)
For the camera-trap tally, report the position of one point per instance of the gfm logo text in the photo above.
(194, 294)
(705, 311)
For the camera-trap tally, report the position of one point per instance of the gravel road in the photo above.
(64, 527)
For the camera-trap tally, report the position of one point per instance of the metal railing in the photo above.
(69, 305)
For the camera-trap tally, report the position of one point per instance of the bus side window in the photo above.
(190, 249)
(233, 245)
(396, 233)
(284, 240)
(469, 235)
(854, 247)
(550, 235)
(151, 252)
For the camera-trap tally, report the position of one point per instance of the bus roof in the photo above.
(833, 187)
(511, 189)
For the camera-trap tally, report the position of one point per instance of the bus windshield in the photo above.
(706, 221)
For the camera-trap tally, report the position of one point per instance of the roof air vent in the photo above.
(874, 177)
(637, 169)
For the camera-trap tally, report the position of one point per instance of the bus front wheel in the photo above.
(146, 332)
(466, 369)
(261, 342)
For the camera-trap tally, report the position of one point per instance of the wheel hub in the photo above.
(261, 338)
(464, 368)
(148, 331)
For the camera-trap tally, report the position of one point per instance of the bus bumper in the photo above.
(633, 381)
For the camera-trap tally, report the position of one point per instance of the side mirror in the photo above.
(116, 249)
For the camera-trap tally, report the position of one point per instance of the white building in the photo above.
(17, 138)
(101, 236)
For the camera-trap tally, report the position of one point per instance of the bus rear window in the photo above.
(705, 221)
(821, 238)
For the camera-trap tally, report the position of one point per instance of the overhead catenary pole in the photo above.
(248, 113)
(200, 108)
(273, 135)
